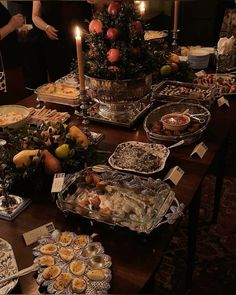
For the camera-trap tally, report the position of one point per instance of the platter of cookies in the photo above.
(72, 264)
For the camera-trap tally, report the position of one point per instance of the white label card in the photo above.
(200, 149)
(58, 182)
(32, 236)
(174, 175)
(222, 100)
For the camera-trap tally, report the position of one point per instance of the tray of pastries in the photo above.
(72, 264)
(58, 93)
(118, 198)
(175, 91)
(140, 157)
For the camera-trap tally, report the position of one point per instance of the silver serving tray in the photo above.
(188, 137)
(139, 157)
(206, 96)
(89, 253)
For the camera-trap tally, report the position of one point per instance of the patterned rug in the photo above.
(215, 270)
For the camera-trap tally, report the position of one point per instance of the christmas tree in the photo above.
(116, 45)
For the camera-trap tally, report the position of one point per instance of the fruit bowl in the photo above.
(175, 121)
(13, 116)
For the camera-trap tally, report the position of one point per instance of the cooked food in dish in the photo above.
(48, 249)
(11, 117)
(66, 253)
(46, 260)
(66, 238)
(51, 272)
(62, 281)
(77, 267)
(150, 35)
(79, 285)
(80, 241)
(58, 89)
(139, 157)
(175, 121)
(96, 274)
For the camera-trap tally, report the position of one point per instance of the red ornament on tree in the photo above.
(114, 8)
(95, 26)
(113, 55)
(138, 27)
(112, 34)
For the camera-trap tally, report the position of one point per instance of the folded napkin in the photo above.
(225, 45)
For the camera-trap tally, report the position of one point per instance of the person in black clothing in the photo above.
(56, 20)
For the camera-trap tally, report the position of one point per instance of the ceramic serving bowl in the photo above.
(13, 116)
(175, 121)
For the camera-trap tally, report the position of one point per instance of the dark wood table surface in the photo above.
(135, 257)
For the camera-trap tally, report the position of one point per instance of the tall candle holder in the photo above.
(174, 43)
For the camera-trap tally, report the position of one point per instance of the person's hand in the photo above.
(51, 32)
(16, 21)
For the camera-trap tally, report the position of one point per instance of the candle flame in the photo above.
(142, 7)
(77, 32)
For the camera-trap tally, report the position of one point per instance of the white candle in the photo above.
(176, 15)
(142, 8)
(80, 58)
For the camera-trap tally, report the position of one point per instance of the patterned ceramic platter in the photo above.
(8, 266)
(140, 157)
(72, 264)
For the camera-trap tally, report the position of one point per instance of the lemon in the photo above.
(62, 151)
(165, 70)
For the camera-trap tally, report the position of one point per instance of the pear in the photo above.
(24, 158)
(51, 164)
(63, 151)
(76, 134)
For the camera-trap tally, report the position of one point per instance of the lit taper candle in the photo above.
(80, 58)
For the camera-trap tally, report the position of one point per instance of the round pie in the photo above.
(80, 241)
(51, 272)
(78, 285)
(62, 281)
(66, 238)
(46, 260)
(48, 249)
(96, 274)
(77, 267)
(66, 253)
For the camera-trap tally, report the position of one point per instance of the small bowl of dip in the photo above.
(175, 121)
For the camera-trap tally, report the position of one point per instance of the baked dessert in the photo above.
(62, 281)
(66, 253)
(96, 274)
(79, 285)
(46, 260)
(51, 272)
(58, 89)
(77, 267)
(66, 238)
(80, 241)
(48, 249)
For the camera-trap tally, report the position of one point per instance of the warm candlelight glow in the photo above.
(80, 58)
(142, 8)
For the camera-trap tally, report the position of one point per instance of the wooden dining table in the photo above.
(135, 257)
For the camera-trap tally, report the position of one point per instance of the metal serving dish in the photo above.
(118, 198)
(175, 91)
(191, 134)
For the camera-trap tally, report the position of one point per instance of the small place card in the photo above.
(200, 149)
(174, 175)
(222, 100)
(33, 235)
(58, 182)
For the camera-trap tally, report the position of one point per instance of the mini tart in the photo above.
(51, 272)
(79, 285)
(96, 274)
(48, 249)
(77, 267)
(46, 260)
(62, 281)
(66, 238)
(66, 253)
(80, 241)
